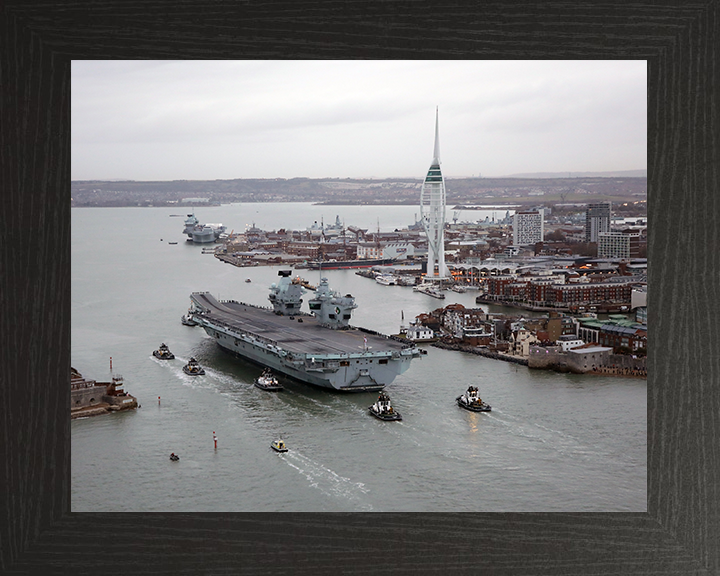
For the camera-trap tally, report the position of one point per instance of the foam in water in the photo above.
(327, 481)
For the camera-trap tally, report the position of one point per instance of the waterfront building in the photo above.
(597, 219)
(90, 398)
(310, 250)
(633, 338)
(641, 314)
(588, 293)
(638, 303)
(616, 331)
(478, 336)
(528, 228)
(418, 333)
(520, 341)
(623, 245)
(588, 358)
(456, 319)
(396, 250)
(569, 341)
(432, 212)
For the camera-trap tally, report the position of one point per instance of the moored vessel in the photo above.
(386, 279)
(320, 348)
(430, 290)
(337, 264)
(201, 233)
(472, 401)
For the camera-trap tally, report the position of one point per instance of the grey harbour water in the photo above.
(553, 442)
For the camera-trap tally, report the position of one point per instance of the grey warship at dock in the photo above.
(320, 348)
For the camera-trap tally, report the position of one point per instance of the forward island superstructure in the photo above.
(320, 348)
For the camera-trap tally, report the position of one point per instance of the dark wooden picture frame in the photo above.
(680, 532)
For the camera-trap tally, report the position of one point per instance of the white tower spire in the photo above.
(432, 210)
(436, 150)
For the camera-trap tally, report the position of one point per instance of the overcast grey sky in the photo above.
(201, 120)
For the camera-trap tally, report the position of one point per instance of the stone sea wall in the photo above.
(607, 364)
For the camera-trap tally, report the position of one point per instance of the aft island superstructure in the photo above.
(319, 348)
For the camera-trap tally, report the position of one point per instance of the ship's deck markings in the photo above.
(306, 338)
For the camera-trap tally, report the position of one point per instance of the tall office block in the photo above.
(528, 228)
(432, 211)
(597, 219)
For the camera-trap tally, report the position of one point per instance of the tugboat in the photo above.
(471, 401)
(163, 353)
(268, 381)
(187, 319)
(174, 457)
(383, 410)
(192, 368)
(279, 446)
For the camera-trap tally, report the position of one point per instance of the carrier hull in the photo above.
(300, 347)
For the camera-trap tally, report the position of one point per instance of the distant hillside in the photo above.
(617, 174)
(337, 191)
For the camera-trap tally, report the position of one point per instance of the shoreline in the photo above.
(603, 371)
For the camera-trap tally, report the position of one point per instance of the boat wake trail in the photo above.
(328, 482)
(534, 436)
(196, 382)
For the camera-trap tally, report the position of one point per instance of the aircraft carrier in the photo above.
(320, 348)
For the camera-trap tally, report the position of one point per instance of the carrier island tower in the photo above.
(432, 212)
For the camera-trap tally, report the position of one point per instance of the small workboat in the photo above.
(163, 353)
(172, 242)
(187, 319)
(174, 457)
(192, 368)
(471, 401)
(248, 280)
(278, 446)
(268, 381)
(383, 410)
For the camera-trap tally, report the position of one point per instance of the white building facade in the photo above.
(396, 250)
(528, 228)
(613, 245)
